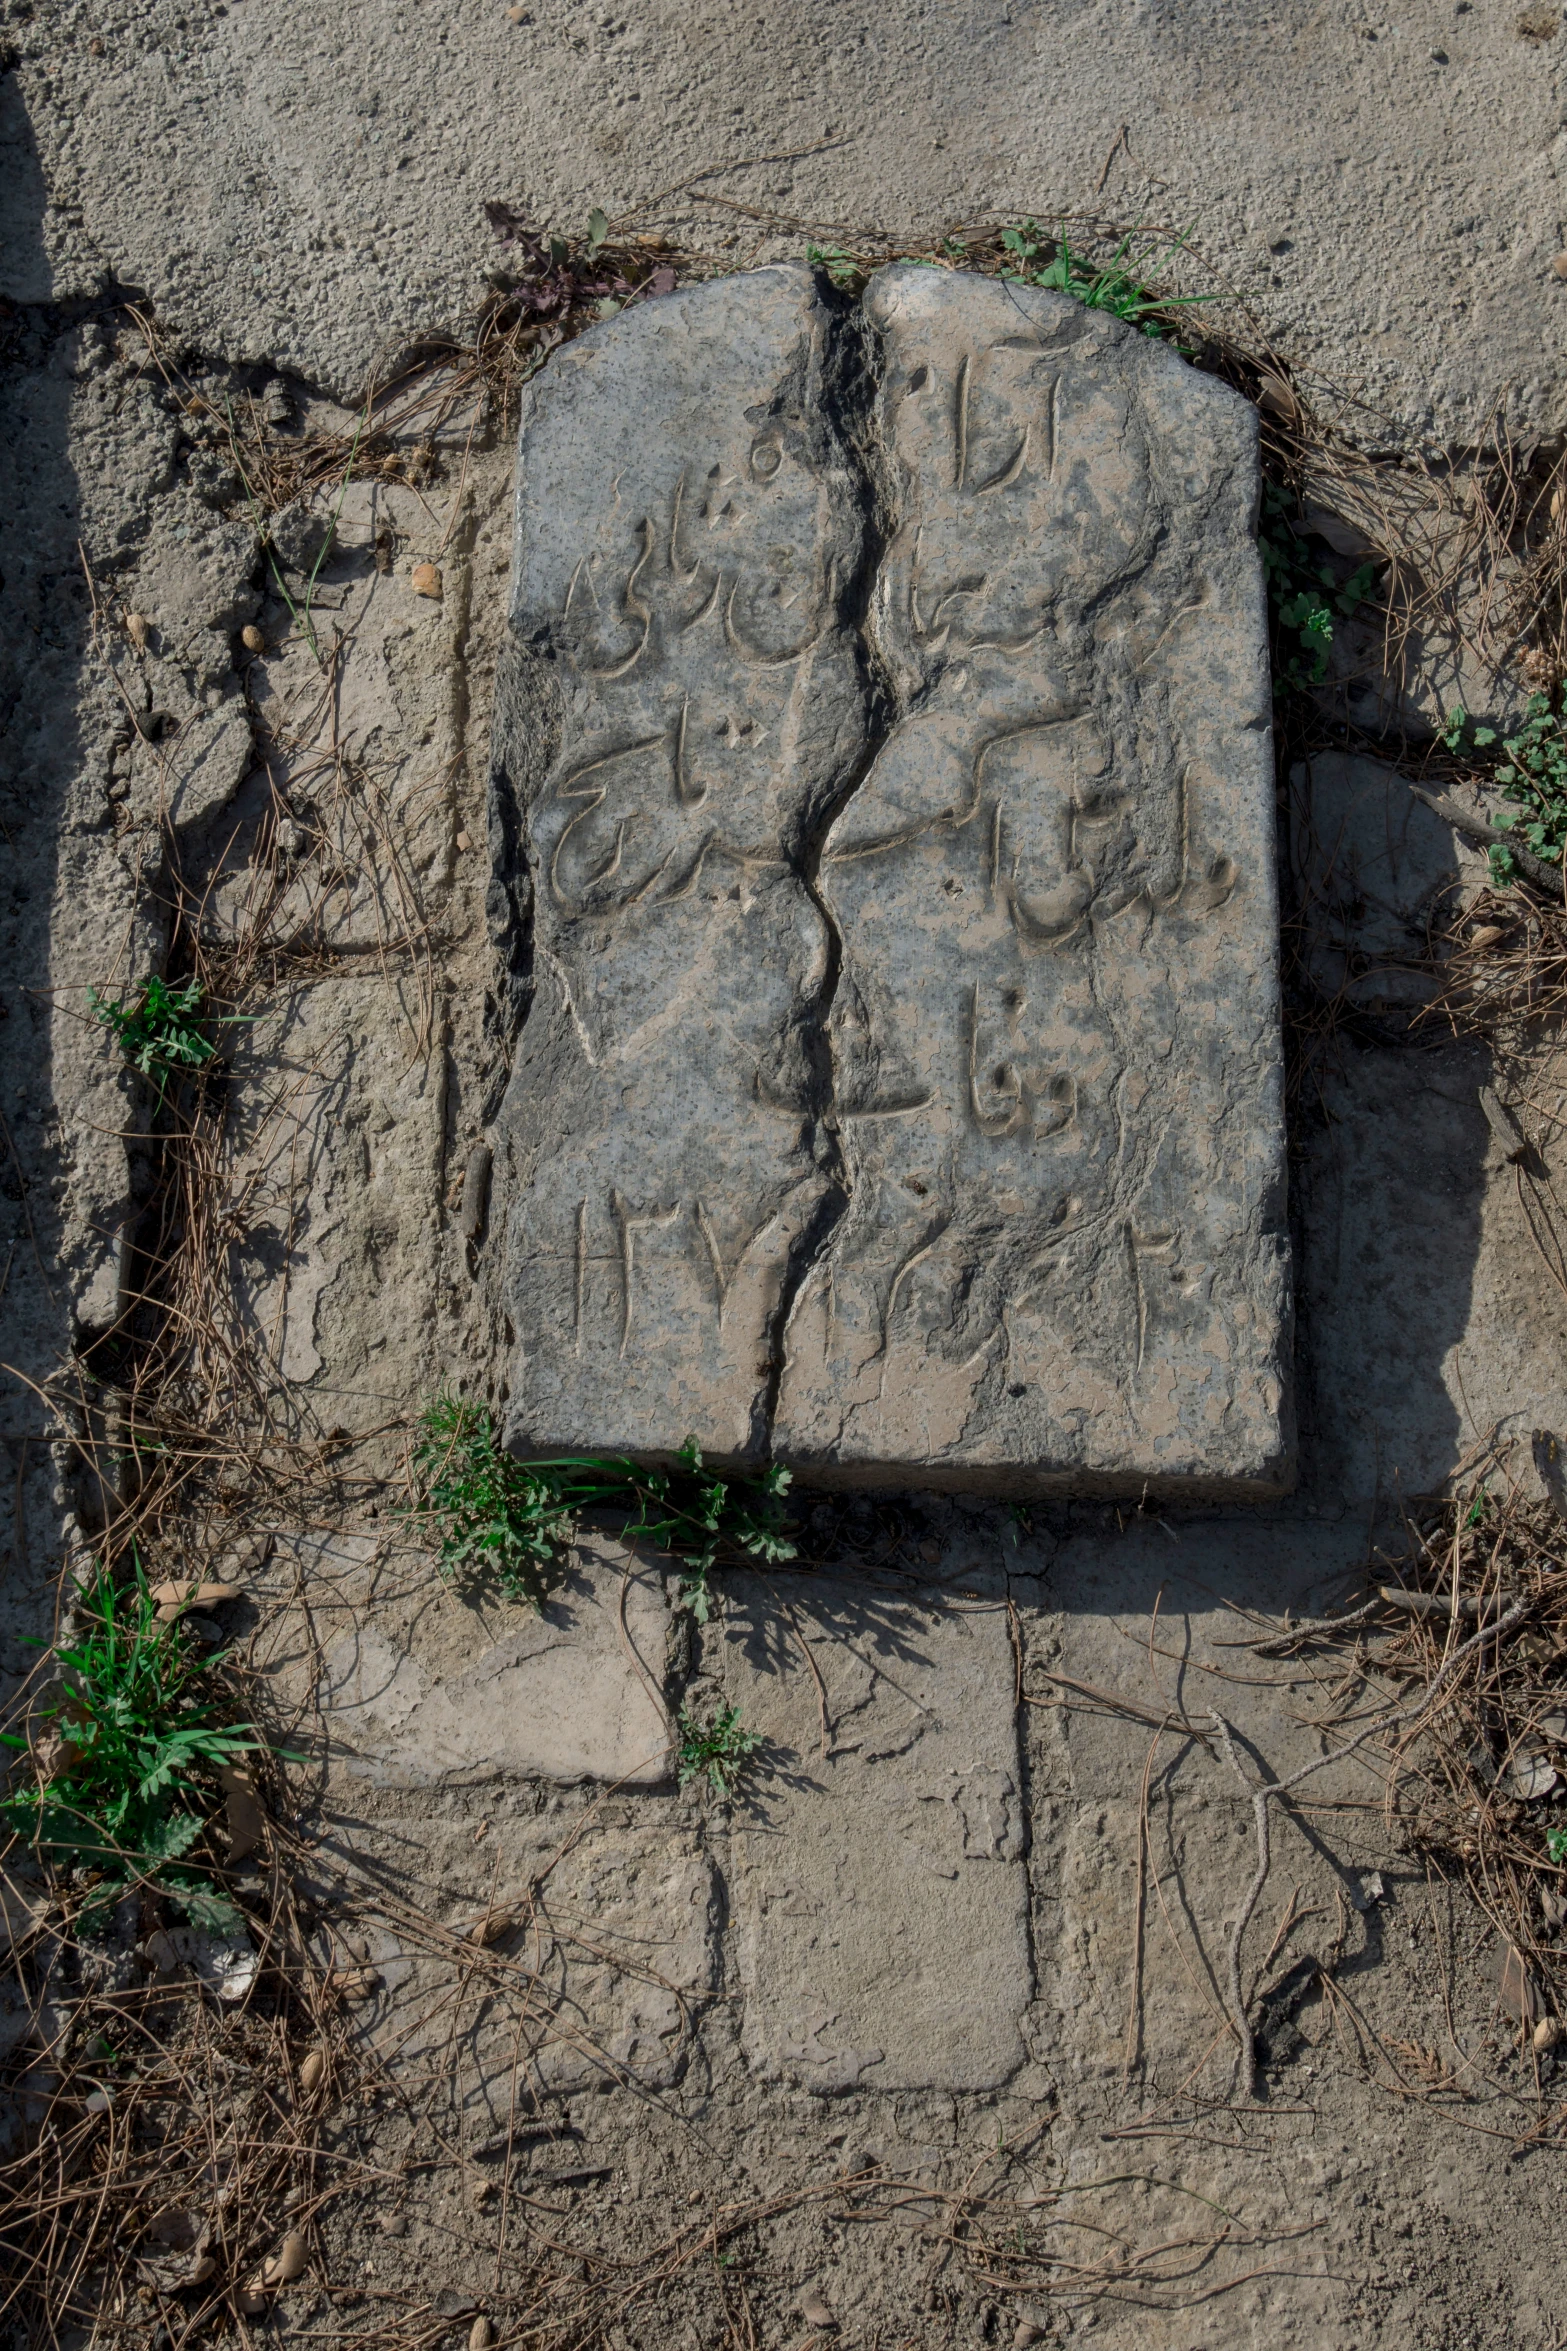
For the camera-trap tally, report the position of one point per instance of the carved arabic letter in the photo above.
(638, 613)
(631, 1219)
(590, 784)
(724, 1280)
(1001, 1084)
(754, 655)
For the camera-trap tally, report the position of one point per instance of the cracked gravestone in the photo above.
(883, 841)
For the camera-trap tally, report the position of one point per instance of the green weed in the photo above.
(1116, 285)
(513, 1520)
(1533, 775)
(160, 1030)
(1305, 593)
(143, 1738)
(840, 266)
(718, 1747)
(1556, 1844)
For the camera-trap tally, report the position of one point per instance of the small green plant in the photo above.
(142, 1739)
(1556, 1844)
(718, 1747)
(841, 267)
(1533, 776)
(513, 1520)
(1116, 285)
(159, 1030)
(1305, 592)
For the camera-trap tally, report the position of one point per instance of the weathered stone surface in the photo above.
(614, 1937)
(902, 1083)
(897, 1771)
(687, 706)
(1056, 1036)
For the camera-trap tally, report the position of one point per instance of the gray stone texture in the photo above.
(884, 824)
(572, 1692)
(1056, 1035)
(686, 707)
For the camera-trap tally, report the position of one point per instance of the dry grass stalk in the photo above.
(1472, 1761)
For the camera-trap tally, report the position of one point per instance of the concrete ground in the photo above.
(964, 1930)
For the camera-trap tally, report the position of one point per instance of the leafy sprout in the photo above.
(1305, 592)
(840, 265)
(513, 1521)
(143, 1734)
(718, 1747)
(1532, 775)
(159, 1030)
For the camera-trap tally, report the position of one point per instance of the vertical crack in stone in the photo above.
(851, 385)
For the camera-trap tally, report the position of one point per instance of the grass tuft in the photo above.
(127, 1771)
(159, 1030)
(1532, 774)
(1305, 594)
(513, 1521)
(718, 1748)
(1116, 285)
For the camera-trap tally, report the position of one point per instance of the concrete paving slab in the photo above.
(303, 181)
(601, 1980)
(877, 1868)
(572, 1692)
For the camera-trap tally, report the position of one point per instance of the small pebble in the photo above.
(519, 16)
(394, 2224)
(481, 2334)
(463, 841)
(95, 47)
(311, 2070)
(425, 580)
(816, 2310)
(1549, 2033)
(138, 626)
(252, 639)
(288, 2262)
(1559, 266)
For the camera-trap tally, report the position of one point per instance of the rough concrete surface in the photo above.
(305, 181)
(981, 1941)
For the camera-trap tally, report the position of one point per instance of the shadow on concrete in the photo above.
(42, 649)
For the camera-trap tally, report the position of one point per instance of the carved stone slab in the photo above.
(884, 826)
(687, 707)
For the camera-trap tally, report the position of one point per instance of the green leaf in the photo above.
(598, 228)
